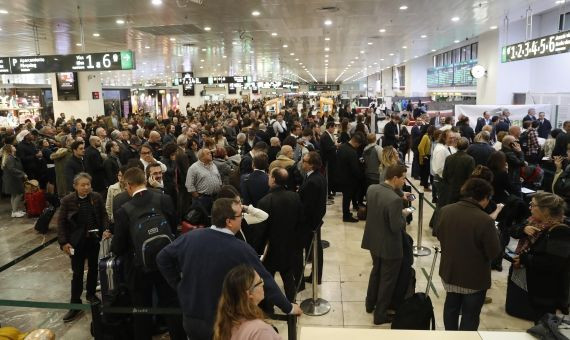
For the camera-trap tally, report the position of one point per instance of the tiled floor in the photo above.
(46, 275)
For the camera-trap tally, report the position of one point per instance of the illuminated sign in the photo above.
(539, 47)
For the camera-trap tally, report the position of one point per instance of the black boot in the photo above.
(72, 315)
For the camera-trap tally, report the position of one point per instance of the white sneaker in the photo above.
(18, 214)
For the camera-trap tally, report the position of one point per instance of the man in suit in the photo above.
(530, 116)
(505, 117)
(481, 150)
(562, 140)
(246, 163)
(142, 284)
(328, 155)
(436, 120)
(284, 231)
(350, 174)
(94, 165)
(544, 126)
(457, 169)
(383, 231)
(392, 132)
(482, 121)
(254, 186)
(313, 194)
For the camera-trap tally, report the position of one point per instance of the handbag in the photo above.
(548, 328)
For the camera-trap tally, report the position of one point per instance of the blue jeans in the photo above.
(469, 305)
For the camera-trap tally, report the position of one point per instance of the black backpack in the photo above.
(150, 232)
(523, 141)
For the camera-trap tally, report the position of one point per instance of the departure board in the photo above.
(539, 47)
(452, 75)
(108, 61)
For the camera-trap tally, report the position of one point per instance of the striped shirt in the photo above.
(457, 289)
(203, 179)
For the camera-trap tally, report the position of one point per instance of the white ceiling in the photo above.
(247, 40)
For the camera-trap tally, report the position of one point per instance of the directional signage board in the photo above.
(109, 61)
(539, 47)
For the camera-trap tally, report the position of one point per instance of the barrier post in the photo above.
(315, 306)
(96, 323)
(418, 250)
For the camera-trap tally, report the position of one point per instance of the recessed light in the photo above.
(404, 47)
(201, 66)
(382, 30)
(455, 19)
(456, 41)
(326, 55)
(96, 34)
(285, 46)
(207, 28)
(560, 2)
(156, 2)
(203, 50)
(201, 60)
(120, 21)
(375, 63)
(172, 39)
(327, 39)
(3, 11)
(274, 34)
(255, 13)
(328, 22)
(296, 59)
(250, 52)
(493, 27)
(291, 54)
(327, 49)
(78, 44)
(370, 43)
(356, 58)
(415, 56)
(326, 60)
(352, 62)
(391, 54)
(147, 47)
(423, 36)
(382, 59)
(433, 50)
(403, 7)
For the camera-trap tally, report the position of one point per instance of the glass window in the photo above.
(456, 56)
(467, 53)
(564, 23)
(474, 51)
(440, 60)
(434, 61)
(463, 54)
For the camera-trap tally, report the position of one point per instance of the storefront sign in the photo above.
(111, 61)
(539, 47)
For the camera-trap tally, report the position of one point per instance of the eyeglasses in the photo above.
(240, 215)
(145, 152)
(260, 283)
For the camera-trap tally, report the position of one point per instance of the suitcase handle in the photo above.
(437, 250)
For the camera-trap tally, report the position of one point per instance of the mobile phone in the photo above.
(411, 197)
(410, 209)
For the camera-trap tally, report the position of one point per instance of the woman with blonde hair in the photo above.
(390, 157)
(13, 177)
(238, 316)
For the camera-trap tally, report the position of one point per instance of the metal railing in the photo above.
(418, 249)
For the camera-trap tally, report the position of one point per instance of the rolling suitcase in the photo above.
(112, 278)
(417, 311)
(42, 224)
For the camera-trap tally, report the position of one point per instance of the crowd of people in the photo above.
(253, 188)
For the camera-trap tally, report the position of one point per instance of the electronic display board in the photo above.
(539, 47)
(324, 87)
(452, 75)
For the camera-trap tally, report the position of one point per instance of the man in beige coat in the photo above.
(284, 160)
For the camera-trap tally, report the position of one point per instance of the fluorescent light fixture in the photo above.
(433, 50)
(225, 56)
(328, 22)
(120, 21)
(201, 60)
(370, 43)
(455, 19)
(207, 28)
(404, 47)
(203, 50)
(403, 7)
(156, 2)
(78, 44)
(361, 52)
(456, 41)
(382, 30)
(285, 46)
(96, 34)
(147, 47)
(274, 34)
(391, 54)
(3, 11)
(423, 36)
(172, 39)
(234, 43)
(255, 13)
(327, 39)
(493, 27)
(327, 49)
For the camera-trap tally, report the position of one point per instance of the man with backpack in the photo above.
(143, 226)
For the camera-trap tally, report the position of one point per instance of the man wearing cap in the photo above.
(30, 156)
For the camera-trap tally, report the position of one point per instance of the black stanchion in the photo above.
(96, 321)
(315, 306)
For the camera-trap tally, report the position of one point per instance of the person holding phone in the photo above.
(515, 160)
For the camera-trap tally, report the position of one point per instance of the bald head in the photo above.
(274, 141)
(95, 141)
(287, 151)
(154, 137)
(515, 131)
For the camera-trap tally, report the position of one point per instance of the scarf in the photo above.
(526, 241)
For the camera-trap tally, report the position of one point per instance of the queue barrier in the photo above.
(418, 249)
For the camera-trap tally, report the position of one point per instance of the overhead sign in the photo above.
(110, 61)
(539, 47)
(323, 87)
(452, 75)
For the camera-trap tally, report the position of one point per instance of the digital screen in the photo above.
(66, 81)
(187, 84)
(231, 89)
(324, 87)
(539, 47)
(111, 61)
(452, 75)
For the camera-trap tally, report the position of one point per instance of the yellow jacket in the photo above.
(424, 148)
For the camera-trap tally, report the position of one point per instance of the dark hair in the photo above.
(526, 124)
(134, 176)
(260, 161)
(291, 141)
(169, 149)
(151, 165)
(497, 161)
(554, 133)
(330, 124)
(483, 172)
(396, 170)
(462, 144)
(75, 145)
(307, 132)
(260, 146)
(135, 163)
(123, 169)
(228, 191)
(359, 138)
(315, 160)
(222, 210)
(280, 175)
(477, 189)
(109, 146)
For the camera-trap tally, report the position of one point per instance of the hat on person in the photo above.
(20, 137)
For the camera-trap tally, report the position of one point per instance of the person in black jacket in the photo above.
(350, 174)
(246, 163)
(482, 121)
(141, 283)
(562, 140)
(94, 164)
(465, 130)
(544, 126)
(392, 132)
(30, 156)
(328, 156)
(515, 160)
(112, 164)
(75, 163)
(255, 185)
(313, 194)
(481, 150)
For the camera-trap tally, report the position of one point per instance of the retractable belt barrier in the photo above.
(418, 250)
(28, 254)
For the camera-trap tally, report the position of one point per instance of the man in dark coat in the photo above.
(350, 174)
(112, 164)
(30, 156)
(481, 149)
(94, 164)
(544, 126)
(328, 156)
(75, 163)
(255, 185)
(482, 121)
(392, 132)
(562, 140)
(515, 160)
(457, 169)
(283, 229)
(313, 194)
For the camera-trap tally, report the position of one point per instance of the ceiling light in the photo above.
(201, 60)
(455, 19)
(361, 52)
(225, 56)
(382, 59)
(326, 60)
(201, 66)
(207, 28)
(250, 52)
(285, 46)
(291, 54)
(370, 43)
(391, 54)
(423, 36)
(147, 47)
(327, 38)
(404, 47)
(456, 41)
(403, 8)
(560, 2)
(328, 22)
(156, 2)
(356, 58)
(96, 34)
(493, 27)
(296, 59)
(375, 63)
(3, 11)
(327, 49)
(255, 13)
(78, 44)
(274, 34)
(382, 30)
(433, 50)
(120, 21)
(352, 62)
(203, 50)
(172, 39)
(234, 43)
